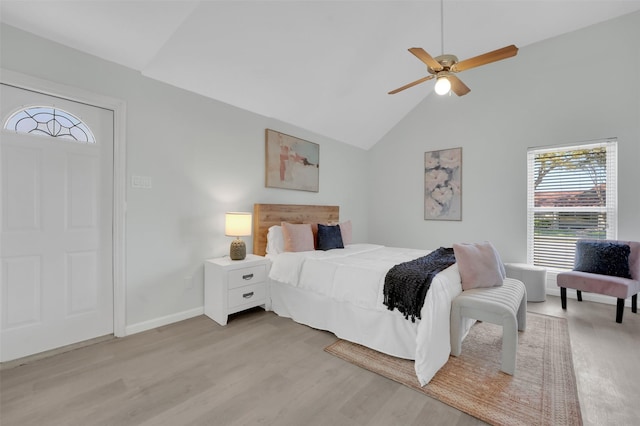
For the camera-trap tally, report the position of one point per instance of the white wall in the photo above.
(580, 86)
(204, 157)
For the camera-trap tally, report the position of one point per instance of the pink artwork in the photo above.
(291, 163)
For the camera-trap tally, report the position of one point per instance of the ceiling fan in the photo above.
(444, 67)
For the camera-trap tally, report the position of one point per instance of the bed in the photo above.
(341, 291)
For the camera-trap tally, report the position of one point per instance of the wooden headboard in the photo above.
(267, 215)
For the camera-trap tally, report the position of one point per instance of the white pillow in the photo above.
(275, 240)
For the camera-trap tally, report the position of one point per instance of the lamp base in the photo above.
(238, 250)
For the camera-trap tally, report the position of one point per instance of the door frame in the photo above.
(119, 107)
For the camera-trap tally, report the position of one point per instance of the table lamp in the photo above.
(237, 224)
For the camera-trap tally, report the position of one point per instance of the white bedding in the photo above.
(342, 291)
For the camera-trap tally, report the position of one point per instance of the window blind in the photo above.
(572, 194)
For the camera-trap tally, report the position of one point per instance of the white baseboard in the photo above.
(159, 322)
(181, 316)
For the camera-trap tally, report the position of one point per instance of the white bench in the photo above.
(505, 305)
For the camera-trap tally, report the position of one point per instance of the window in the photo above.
(49, 121)
(572, 194)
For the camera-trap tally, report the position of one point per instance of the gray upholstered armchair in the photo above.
(606, 267)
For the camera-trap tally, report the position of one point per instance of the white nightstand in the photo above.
(234, 285)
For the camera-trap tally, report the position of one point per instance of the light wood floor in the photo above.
(263, 369)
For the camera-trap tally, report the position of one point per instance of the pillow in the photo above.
(275, 240)
(346, 231)
(503, 271)
(314, 231)
(329, 237)
(297, 237)
(479, 265)
(603, 257)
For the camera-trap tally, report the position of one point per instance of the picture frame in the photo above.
(291, 162)
(443, 184)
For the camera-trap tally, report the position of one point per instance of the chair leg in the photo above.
(634, 303)
(563, 297)
(619, 311)
(579, 293)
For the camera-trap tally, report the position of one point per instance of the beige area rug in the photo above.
(542, 392)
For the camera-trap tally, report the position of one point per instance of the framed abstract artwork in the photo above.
(443, 184)
(291, 163)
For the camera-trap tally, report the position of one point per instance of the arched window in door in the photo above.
(49, 121)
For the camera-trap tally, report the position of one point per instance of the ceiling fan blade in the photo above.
(487, 58)
(458, 87)
(421, 54)
(406, 86)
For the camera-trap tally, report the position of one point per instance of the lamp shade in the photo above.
(237, 224)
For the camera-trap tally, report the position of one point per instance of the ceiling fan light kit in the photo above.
(444, 66)
(443, 85)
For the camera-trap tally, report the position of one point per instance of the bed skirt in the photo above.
(382, 330)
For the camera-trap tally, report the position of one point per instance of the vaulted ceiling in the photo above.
(325, 66)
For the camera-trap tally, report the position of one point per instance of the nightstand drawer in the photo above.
(250, 294)
(245, 276)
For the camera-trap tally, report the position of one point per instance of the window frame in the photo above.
(610, 209)
(52, 126)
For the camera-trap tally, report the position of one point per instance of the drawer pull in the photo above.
(248, 295)
(247, 277)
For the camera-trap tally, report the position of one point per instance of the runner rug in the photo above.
(542, 392)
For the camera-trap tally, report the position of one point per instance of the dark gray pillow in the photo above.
(604, 258)
(329, 237)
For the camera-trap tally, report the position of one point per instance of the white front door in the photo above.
(56, 226)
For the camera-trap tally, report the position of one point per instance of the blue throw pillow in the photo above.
(329, 237)
(604, 258)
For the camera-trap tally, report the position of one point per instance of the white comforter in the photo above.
(356, 275)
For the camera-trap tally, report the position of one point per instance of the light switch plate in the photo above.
(143, 182)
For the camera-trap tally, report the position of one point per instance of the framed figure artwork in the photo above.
(291, 163)
(443, 184)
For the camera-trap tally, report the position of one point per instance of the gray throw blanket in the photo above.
(406, 285)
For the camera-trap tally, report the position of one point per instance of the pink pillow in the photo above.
(314, 231)
(297, 237)
(479, 265)
(345, 230)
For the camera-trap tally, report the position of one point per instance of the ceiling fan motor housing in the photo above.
(447, 61)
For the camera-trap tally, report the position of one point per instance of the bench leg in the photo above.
(634, 303)
(563, 297)
(579, 294)
(455, 333)
(522, 313)
(619, 311)
(509, 345)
